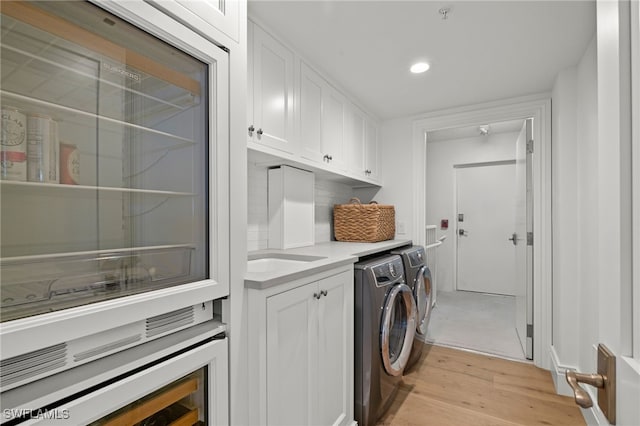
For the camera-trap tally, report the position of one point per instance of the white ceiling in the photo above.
(484, 51)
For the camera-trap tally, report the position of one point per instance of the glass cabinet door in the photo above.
(105, 147)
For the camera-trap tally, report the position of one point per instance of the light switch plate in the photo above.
(400, 228)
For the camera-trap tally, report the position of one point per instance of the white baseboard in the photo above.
(592, 418)
(557, 373)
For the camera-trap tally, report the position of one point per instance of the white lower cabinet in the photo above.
(301, 351)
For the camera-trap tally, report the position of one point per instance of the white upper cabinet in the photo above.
(205, 16)
(322, 120)
(334, 111)
(361, 145)
(371, 157)
(271, 73)
(310, 111)
(318, 128)
(354, 148)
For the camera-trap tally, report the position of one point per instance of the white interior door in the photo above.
(524, 246)
(485, 222)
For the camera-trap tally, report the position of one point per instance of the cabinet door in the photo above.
(354, 142)
(292, 355)
(334, 107)
(310, 114)
(335, 352)
(272, 92)
(372, 162)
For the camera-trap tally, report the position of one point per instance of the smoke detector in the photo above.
(444, 12)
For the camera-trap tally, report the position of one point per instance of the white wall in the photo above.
(564, 210)
(440, 202)
(575, 214)
(327, 193)
(587, 157)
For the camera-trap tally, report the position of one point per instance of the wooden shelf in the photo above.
(188, 419)
(165, 399)
(59, 27)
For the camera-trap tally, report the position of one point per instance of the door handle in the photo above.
(604, 380)
(581, 396)
(514, 238)
(462, 232)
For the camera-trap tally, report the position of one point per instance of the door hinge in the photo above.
(530, 146)
(530, 330)
(529, 238)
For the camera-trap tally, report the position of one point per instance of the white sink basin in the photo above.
(272, 262)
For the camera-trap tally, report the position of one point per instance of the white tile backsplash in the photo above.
(327, 193)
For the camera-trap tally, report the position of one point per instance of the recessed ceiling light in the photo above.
(419, 67)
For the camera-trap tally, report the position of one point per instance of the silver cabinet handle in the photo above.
(259, 132)
(251, 129)
(323, 292)
(327, 157)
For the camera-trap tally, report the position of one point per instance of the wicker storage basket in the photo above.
(367, 223)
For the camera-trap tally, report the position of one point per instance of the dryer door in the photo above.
(422, 293)
(398, 327)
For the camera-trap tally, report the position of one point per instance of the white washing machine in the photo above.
(385, 324)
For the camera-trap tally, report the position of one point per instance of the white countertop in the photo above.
(334, 253)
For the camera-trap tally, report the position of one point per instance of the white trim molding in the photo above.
(537, 107)
(558, 374)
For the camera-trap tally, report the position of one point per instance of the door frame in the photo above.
(537, 107)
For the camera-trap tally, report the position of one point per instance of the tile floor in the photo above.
(476, 321)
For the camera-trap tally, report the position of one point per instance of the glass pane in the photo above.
(398, 328)
(104, 159)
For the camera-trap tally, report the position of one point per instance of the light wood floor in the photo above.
(453, 387)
